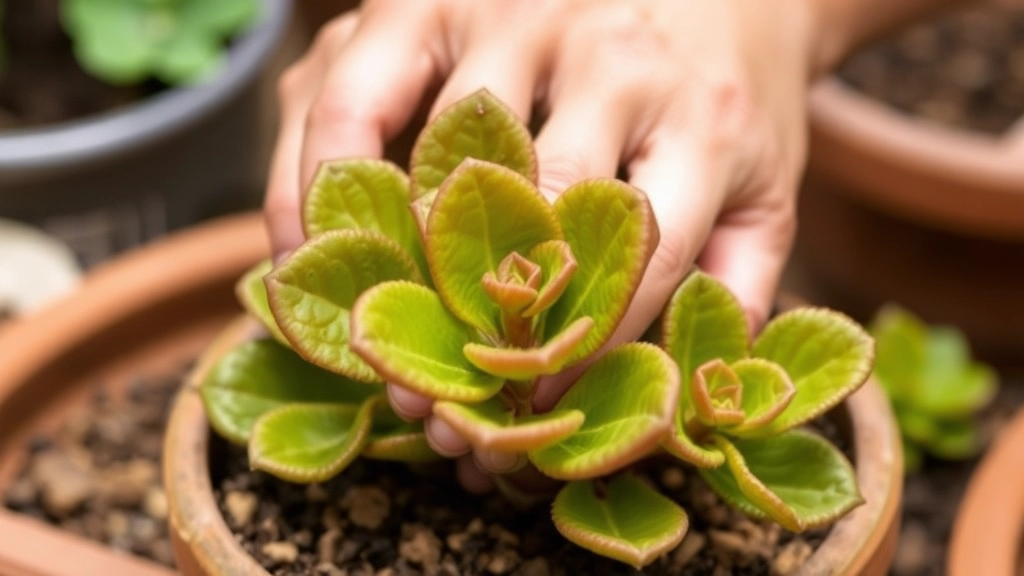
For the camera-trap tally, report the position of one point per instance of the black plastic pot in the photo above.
(106, 182)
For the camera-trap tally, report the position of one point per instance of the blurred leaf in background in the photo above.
(174, 41)
(936, 388)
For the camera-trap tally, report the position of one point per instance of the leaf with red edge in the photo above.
(479, 126)
(491, 425)
(629, 396)
(624, 518)
(528, 363)
(404, 331)
(313, 290)
(612, 232)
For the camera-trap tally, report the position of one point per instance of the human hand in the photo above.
(702, 104)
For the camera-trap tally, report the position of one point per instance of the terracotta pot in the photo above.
(990, 522)
(145, 313)
(863, 543)
(897, 209)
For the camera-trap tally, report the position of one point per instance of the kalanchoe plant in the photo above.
(935, 387)
(174, 41)
(743, 402)
(462, 282)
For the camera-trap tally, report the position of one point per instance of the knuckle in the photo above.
(562, 171)
(333, 109)
(733, 112)
(670, 261)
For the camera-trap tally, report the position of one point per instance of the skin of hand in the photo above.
(702, 103)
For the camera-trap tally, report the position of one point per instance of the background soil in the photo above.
(964, 70)
(40, 81)
(932, 495)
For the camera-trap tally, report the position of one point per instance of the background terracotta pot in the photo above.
(896, 209)
(167, 161)
(990, 521)
(148, 312)
(862, 543)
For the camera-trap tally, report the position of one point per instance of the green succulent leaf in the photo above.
(251, 292)
(767, 391)
(528, 363)
(363, 194)
(312, 293)
(612, 232)
(952, 385)
(680, 443)
(310, 442)
(624, 519)
(188, 58)
(405, 332)
(392, 438)
(797, 479)
(827, 356)
(491, 425)
(629, 396)
(482, 213)
(956, 440)
(703, 322)
(259, 376)
(479, 126)
(901, 352)
(222, 18)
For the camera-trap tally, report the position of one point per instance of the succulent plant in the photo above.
(175, 41)
(936, 389)
(462, 282)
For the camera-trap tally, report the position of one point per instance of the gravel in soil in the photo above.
(964, 70)
(99, 475)
(387, 519)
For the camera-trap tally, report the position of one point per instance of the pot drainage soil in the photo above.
(964, 70)
(932, 495)
(384, 519)
(99, 475)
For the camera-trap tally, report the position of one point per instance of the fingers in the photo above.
(373, 86)
(408, 404)
(508, 65)
(296, 90)
(748, 250)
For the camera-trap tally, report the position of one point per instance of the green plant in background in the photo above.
(174, 41)
(462, 282)
(936, 389)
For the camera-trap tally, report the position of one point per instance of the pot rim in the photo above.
(915, 168)
(990, 520)
(109, 296)
(863, 542)
(112, 133)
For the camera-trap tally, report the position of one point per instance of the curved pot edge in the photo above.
(913, 169)
(862, 544)
(990, 520)
(109, 134)
(112, 289)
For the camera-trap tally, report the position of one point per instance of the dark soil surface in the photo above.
(385, 519)
(40, 81)
(964, 70)
(99, 475)
(932, 496)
